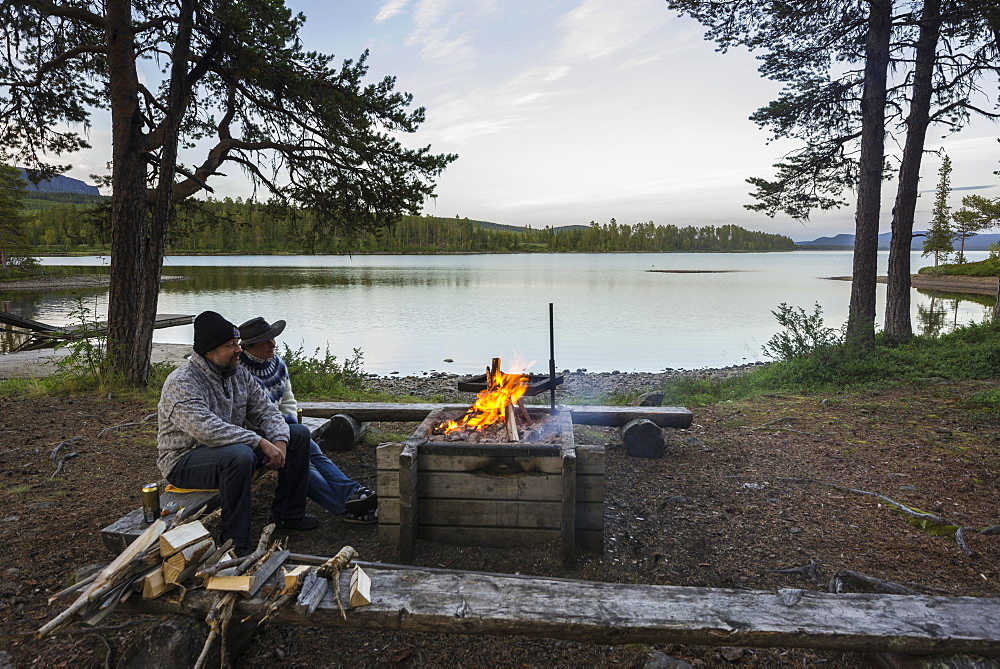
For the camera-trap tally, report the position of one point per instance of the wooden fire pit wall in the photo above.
(507, 494)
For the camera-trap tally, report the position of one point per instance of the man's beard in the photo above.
(232, 363)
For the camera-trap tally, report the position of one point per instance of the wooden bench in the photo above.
(609, 416)
(119, 534)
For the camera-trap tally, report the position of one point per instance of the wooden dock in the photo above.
(41, 335)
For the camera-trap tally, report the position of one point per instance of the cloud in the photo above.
(390, 9)
(444, 30)
(600, 28)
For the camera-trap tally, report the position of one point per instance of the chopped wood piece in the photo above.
(313, 589)
(153, 585)
(361, 588)
(248, 583)
(181, 537)
(229, 581)
(294, 576)
(183, 560)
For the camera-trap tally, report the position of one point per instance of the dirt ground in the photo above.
(727, 507)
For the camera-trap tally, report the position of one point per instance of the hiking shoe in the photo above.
(366, 518)
(306, 522)
(361, 500)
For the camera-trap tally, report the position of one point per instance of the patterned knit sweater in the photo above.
(272, 375)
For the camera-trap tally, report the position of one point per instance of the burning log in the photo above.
(495, 404)
(511, 421)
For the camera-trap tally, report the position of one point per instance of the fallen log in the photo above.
(412, 599)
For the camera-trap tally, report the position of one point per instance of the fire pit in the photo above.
(499, 474)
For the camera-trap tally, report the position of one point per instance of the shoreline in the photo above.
(68, 282)
(947, 283)
(38, 364)
(981, 285)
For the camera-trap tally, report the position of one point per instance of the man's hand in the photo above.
(274, 454)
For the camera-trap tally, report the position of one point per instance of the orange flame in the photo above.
(502, 391)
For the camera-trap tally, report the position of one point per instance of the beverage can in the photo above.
(150, 502)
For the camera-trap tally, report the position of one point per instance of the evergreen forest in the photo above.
(238, 226)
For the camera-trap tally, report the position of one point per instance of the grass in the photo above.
(988, 267)
(970, 352)
(320, 376)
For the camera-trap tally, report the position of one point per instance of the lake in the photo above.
(408, 314)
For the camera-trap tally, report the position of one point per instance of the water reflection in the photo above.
(200, 279)
(410, 313)
(942, 314)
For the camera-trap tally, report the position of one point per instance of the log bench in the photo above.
(420, 599)
(608, 416)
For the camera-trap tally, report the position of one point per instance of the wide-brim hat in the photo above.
(257, 330)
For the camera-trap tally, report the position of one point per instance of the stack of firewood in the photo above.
(174, 558)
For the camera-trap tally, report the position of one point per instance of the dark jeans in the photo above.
(230, 469)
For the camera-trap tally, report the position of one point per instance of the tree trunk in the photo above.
(897, 309)
(861, 319)
(130, 314)
(139, 237)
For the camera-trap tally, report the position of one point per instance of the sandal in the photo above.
(366, 518)
(361, 500)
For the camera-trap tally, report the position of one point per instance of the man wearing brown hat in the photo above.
(202, 441)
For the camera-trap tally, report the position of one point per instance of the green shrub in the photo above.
(801, 334)
(970, 352)
(320, 376)
(988, 267)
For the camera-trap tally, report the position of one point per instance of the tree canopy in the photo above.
(833, 57)
(191, 88)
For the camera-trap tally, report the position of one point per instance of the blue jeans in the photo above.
(328, 486)
(230, 469)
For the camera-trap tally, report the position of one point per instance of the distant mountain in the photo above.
(60, 184)
(520, 228)
(845, 241)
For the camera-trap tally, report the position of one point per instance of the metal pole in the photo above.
(552, 363)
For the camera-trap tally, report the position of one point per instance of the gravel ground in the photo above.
(579, 385)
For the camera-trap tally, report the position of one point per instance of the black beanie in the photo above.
(212, 330)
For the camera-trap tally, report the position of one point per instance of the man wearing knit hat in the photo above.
(202, 442)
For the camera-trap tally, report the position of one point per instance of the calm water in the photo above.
(409, 313)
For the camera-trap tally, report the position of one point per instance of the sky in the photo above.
(564, 112)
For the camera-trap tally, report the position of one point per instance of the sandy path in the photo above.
(33, 364)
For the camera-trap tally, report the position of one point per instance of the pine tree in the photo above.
(12, 239)
(940, 234)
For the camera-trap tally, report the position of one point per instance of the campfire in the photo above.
(498, 408)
